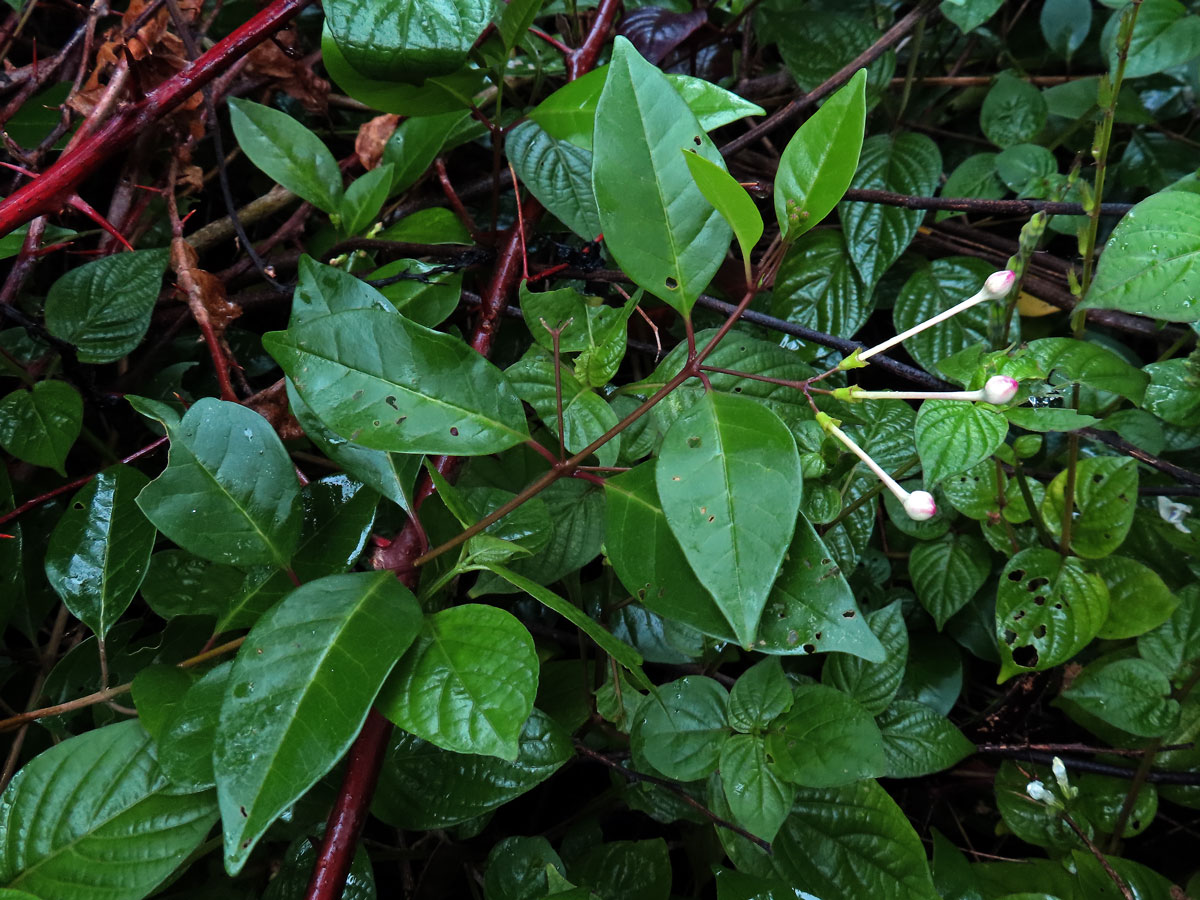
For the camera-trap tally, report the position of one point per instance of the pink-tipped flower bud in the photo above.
(1000, 389)
(1000, 283)
(920, 506)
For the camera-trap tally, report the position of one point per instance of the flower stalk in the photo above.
(919, 505)
(999, 390)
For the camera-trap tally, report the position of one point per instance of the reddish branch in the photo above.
(50, 191)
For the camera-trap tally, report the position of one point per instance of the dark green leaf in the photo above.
(626, 870)
(1065, 25)
(103, 307)
(229, 492)
(100, 549)
(296, 868)
(1174, 392)
(874, 684)
(1129, 694)
(917, 741)
(1013, 111)
(969, 14)
(365, 198)
(157, 692)
(1175, 644)
(1105, 500)
(1138, 600)
(954, 435)
(760, 694)
(947, 573)
(559, 174)
(185, 751)
(818, 286)
(516, 868)
(825, 740)
(1089, 364)
(468, 682)
(1163, 36)
(1027, 169)
(299, 692)
(758, 797)
(681, 731)
(415, 144)
(40, 425)
(975, 176)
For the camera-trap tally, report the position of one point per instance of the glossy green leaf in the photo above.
(287, 152)
(760, 694)
(322, 290)
(468, 682)
(93, 817)
(103, 307)
(516, 868)
(1035, 823)
(758, 797)
(584, 322)
(825, 740)
(185, 750)
(40, 425)
(626, 870)
(229, 492)
(976, 177)
(729, 480)
(656, 222)
(1027, 169)
(389, 384)
(1065, 25)
(947, 573)
(876, 235)
(1175, 645)
(818, 286)
(100, 549)
(937, 287)
(1129, 694)
(820, 160)
(296, 869)
(1163, 36)
(969, 14)
(1138, 600)
(415, 144)
(1089, 364)
(299, 692)
(1044, 420)
(874, 684)
(918, 742)
(558, 174)
(157, 693)
(365, 198)
(1174, 392)
(1013, 111)
(1149, 265)
(1105, 500)
(728, 198)
(422, 787)
(338, 514)
(711, 104)
(852, 842)
(953, 435)
(816, 43)
(683, 729)
(1047, 609)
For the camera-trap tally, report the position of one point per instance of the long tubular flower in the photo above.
(998, 390)
(998, 284)
(919, 505)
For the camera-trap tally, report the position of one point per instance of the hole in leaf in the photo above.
(1016, 574)
(1039, 600)
(817, 636)
(77, 505)
(1035, 583)
(1026, 656)
(357, 395)
(1009, 637)
(809, 648)
(848, 614)
(454, 432)
(1040, 631)
(390, 401)
(696, 140)
(376, 423)
(1096, 479)
(671, 283)
(400, 421)
(693, 441)
(1020, 614)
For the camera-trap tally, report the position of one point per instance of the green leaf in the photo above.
(365, 198)
(729, 198)
(1044, 420)
(468, 682)
(516, 868)
(1175, 645)
(947, 573)
(626, 870)
(1129, 694)
(40, 425)
(729, 480)
(818, 286)
(389, 384)
(954, 435)
(229, 492)
(969, 14)
(1138, 600)
(415, 144)
(874, 684)
(1027, 169)
(852, 842)
(820, 160)
(338, 514)
(1174, 392)
(825, 740)
(558, 174)
(936, 287)
(100, 549)
(758, 797)
(185, 751)
(712, 105)
(1105, 501)
(422, 787)
(585, 322)
(1013, 111)
(918, 742)
(1149, 265)
(103, 307)
(1089, 364)
(1035, 823)
(322, 290)
(876, 235)
(975, 176)
(817, 43)
(335, 639)
(760, 694)
(296, 869)
(407, 40)
(428, 297)
(1047, 609)
(656, 222)
(1065, 25)
(682, 730)
(287, 152)
(94, 817)
(157, 692)
(1163, 36)
(516, 19)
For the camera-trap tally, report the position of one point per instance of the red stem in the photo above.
(48, 192)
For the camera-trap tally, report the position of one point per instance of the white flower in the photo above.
(1174, 513)
(1000, 389)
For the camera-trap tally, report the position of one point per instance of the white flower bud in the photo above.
(1000, 389)
(920, 506)
(1000, 283)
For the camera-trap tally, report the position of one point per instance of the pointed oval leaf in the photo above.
(818, 286)
(1138, 599)
(559, 174)
(917, 741)
(729, 199)
(758, 797)
(1047, 609)
(947, 573)
(681, 731)
(819, 161)
(385, 383)
(229, 492)
(760, 694)
(826, 739)
(656, 222)
(40, 425)
(1150, 264)
(299, 692)
(103, 307)
(94, 817)
(185, 751)
(953, 435)
(99, 551)
(468, 683)
(874, 684)
(287, 152)
(364, 198)
(729, 480)
(1130, 694)
(1105, 501)
(422, 787)
(585, 414)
